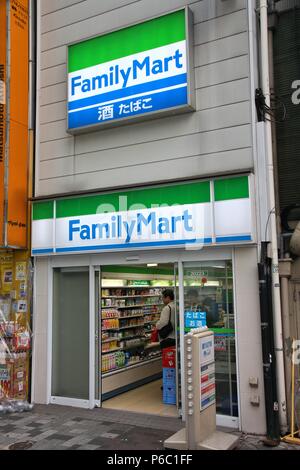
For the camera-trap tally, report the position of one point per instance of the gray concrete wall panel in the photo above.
(215, 139)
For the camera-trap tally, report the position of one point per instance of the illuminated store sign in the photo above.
(132, 73)
(175, 215)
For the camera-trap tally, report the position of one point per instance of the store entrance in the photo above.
(130, 362)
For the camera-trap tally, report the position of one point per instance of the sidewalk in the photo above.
(56, 427)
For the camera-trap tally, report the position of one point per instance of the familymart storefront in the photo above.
(101, 264)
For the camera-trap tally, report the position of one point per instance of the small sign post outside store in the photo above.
(200, 399)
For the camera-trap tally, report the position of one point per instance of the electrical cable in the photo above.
(272, 211)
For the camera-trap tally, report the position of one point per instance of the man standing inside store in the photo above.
(166, 323)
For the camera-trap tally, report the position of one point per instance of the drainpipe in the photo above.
(285, 275)
(278, 337)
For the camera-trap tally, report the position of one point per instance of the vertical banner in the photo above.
(18, 125)
(2, 111)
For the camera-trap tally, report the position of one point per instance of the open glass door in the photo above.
(129, 304)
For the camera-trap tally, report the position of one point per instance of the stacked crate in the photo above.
(169, 375)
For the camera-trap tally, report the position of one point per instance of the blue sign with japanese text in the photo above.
(194, 319)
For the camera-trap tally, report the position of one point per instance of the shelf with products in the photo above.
(110, 363)
(128, 314)
(129, 296)
(130, 326)
(133, 305)
(109, 340)
(110, 350)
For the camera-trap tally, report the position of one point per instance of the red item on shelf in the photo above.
(169, 357)
(154, 335)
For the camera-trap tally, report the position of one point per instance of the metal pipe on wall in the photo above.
(278, 336)
(284, 288)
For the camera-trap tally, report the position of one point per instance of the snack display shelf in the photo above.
(134, 306)
(111, 350)
(131, 326)
(109, 340)
(131, 316)
(129, 296)
(131, 365)
(126, 354)
(134, 287)
(124, 338)
(133, 346)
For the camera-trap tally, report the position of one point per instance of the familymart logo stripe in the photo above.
(134, 71)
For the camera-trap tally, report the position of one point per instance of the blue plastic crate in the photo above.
(169, 392)
(169, 376)
(169, 398)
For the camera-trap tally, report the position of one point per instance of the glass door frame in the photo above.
(94, 263)
(97, 269)
(67, 401)
(222, 420)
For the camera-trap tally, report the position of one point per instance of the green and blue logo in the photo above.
(130, 73)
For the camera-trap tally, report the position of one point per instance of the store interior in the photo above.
(131, 361)
(132, 374)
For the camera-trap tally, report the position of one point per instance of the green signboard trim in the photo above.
(43, 210)
(232, 188)
(142, 37)
(191, 193)
(135, 270)
(219, 331)
(186, 193)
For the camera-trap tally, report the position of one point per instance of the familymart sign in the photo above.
(188, 215)
(132, 73)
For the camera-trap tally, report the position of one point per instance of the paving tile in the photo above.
(9, 428)
(70, 423)
(109, 435)
(27, 428)
(97, 441)
(88, 447)
(80, 440)
(34, 433)
(15, 435)
(44, 435)
(46, 445)
(75, 431)
(62, 437)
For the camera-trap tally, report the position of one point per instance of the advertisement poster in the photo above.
(6, 270)
(22, 306)
(8, 275)
(23, 289)
(220, 343)
(21, 271)
(207, 386)
(5, 305)
(207, 350)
